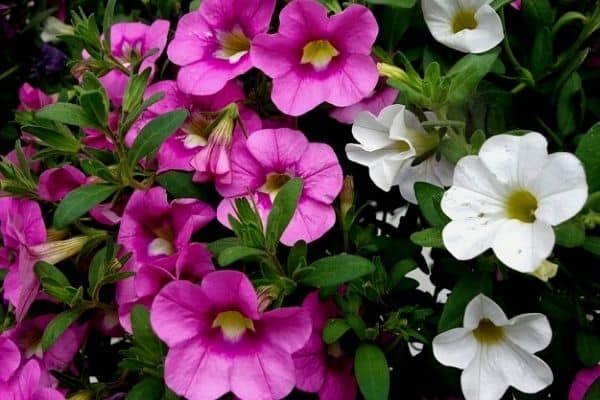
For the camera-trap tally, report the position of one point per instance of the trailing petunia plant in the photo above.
(305, 199)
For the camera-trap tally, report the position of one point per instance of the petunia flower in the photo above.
(323, 368)
(55, 183)
(269, 159)
(516, 4)
(158, 235)
(381, 97)
(32, 98)
(495, 352)
(219, 342)
(212, 44)
(471, 26)
(177, 152)
(27, 383)
(508, 198)
(389, 145)
(129, 43)
(583, 381)
(25, 243)
(315, 58)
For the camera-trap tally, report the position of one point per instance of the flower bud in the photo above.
(392, 71)
(57, 251)
(347, 196)
(266, 295)
(53, 28)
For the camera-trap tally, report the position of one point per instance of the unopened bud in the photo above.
(54, 252)
(392, 71)
(545, 271)
(53, 28)
(347, 195)
(266, 295)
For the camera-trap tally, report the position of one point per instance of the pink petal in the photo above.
(273, 54)
(10, 358)
(188, 216)
(55, 183)
(354, 29)
(193, 372)
(188, 45)
(321, 172)
(311, 365)
(374, 104)
(29, 284)
(288, 328)
(296, 94)
(311, 220)
(247, 174)
(179, 312)
(209, 75)
(320, 311)
(339, 384)
(303, 19)
(355, 80)
(156, 38)
(229, 290)
(277, 149)
(194, 262)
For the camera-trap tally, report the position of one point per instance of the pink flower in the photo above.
(27, 384)
(177, 152)
(582, 382)
(97, 139)
(219, 342)
(211, 45)
(28, 334)
(315, 58)
(10, 359)
(322, 368)
(516, 4)
(158, 235)
(269, 159)
(33, 98)
(55, 183)
(28, 151)
(381, 97)
(131, 41)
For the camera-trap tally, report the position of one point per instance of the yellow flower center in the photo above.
(521, 205)
(319, 53)
(488, 333)
(274, 183)
(233, 45)
(464, 19)
(233, 324)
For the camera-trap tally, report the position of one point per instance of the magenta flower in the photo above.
(177, 152)
(315, 58)
(158, 234)
(33, 98)
(28, 334)
(516, 4)
(109, 213)
(97, 139)
(270, 158)
(582, 382)
(219, 342)
(131, 41)
(321, 368)
(55, 183)
(212, 44)
(10, 359)
(381, 97)
(27, 383)
(28, 151)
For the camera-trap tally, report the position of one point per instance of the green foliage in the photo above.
(80, 201)
(335, 270)
(372, 372)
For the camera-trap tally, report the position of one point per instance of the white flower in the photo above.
(53, 28)
(495, 352)
(509, 197)
(470, 26)
(390, 142)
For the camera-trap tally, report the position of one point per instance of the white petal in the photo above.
(455, 348)
(384, 165)
(468, 238)
(523, 246)
(441, 11)
(481, 380)
(405, 125)
(515, 160)
(371, 134)
(444, 171)
(482, 307)
(522, 370)
(437, 173)
(531, 332)
(387, 114)
(561, 188)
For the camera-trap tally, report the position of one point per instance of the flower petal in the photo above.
(354, 30)
(481, 380)
(189, 43)
(531, 332)
(277, 149)
(321, 172)
(295, 94)
(455, 348)
(10, 358)
(522, 370)
(482, 307)
(523, 246)
(229, 290)
(288, 328)
(311, 220)
(356, 78)
(468, 238)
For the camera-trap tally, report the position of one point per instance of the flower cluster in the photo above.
(202, 206)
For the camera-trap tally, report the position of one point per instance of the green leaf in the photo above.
(135, 90)
(400, 269)
(154, 133)
(143, 334)
(592, 244)
(147, 389)
(394, 3)
(95, 104)
(283, 210)
(593, 392)
(109, 12)
(58, 325)
(80, 201)
(587, 151)
(431, 237)
(49, 274)
(569, 105)
(220, 245)
(587, 346)
(537, 13)
(541, 53)
(570, 234)
(334, 330)
(335, 270)
(396, 22)
(97, 269)
(179, 184)
(429, 197)
(67, 113)
(296, 257)
(463, 292)
(454, 148)
(233, 254)
(372, 372)
(466, 74)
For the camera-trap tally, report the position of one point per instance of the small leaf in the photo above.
(233, 254)
(431, 237)
(335, 270)
(147, 389)
(67, 113)
(179, 184)
(154, 133)
(372, 373)
(429, 197)
(296, 257)
(587, 151)
(143, 334)
(395, 3)
(220, 245)
(587, 346)
(570, 234)
(58, 325)
(135, 90)
(282, 211)
(49, 273)
(334, 330)
(466, 74)
(463, 292)
(79, 201)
